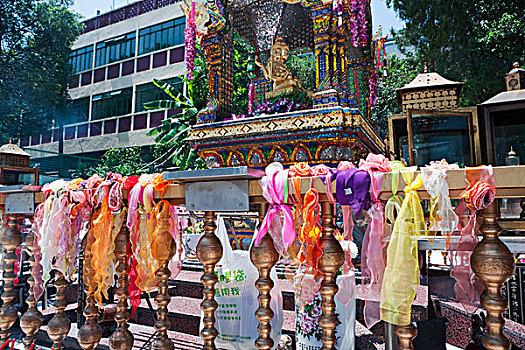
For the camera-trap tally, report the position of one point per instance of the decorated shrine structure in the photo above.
(336, 126)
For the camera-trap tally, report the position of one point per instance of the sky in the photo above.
(380, 13)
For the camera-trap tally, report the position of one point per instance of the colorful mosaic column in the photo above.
(325, 95)
(212, 52)
(218, 52)
(342, 69)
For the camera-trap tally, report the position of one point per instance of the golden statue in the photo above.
(277, 71)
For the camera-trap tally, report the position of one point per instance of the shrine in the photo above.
(353, 242)
(333, 125)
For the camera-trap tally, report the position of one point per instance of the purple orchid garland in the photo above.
(353, 23)
(251, 97)
(373, 88)
(361, 22)
(190, 42)
(358, 23)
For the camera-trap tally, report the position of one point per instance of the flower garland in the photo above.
(362, 23)
(190, 42)
(251, 97)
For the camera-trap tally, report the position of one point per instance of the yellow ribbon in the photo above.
(401, 279)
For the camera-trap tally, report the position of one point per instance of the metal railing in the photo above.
(124, 13)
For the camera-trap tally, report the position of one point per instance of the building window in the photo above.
(150, 92)
(81, 59)
(116, 49)
(161, 36)
(78, 111)
(111, 104)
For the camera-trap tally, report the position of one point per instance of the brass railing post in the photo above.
(162, 299)
(264, 257)
(405, 335)
(59, 326)
(122, 338)
(329, 263)
(31, 321)
(209, 252)
(493, 263)
(11, 239)
(90, 333)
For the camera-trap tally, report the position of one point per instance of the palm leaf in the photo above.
(162, 104)
(169, 89)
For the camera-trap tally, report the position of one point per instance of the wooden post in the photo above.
(329, 263)
(31, 321)
(59, 326)
(90, 333)
(264, 257)
(11, 239)
(122, 338)
(209, 252)
(405, 335)
(494, 264)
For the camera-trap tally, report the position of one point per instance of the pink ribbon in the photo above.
(36, 272)
(372, 259)
(275, 196)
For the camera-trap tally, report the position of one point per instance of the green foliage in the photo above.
(176, 128)
(134, 160)
(400, 71)
(241, 81)
(474, 41)
(303, 67)
(35, 37)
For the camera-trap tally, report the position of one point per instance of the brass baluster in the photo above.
(405, 335)
(90, 333)
(329, 263)
(59, 326)
(493, 263)
(162, 299)
(31, 321)
(162, 325)
(264, 257)
(122, 338)
(209, 252)
(11, 239)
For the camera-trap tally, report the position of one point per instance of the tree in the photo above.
(134, 160)
(35, 37)
(475, 41)
(399, 72)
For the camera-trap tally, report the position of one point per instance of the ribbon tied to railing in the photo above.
(401, 278)
(442, 215)
(275, 191)
(479, 194)
(372, 258)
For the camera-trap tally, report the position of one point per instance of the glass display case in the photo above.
(421, 136)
